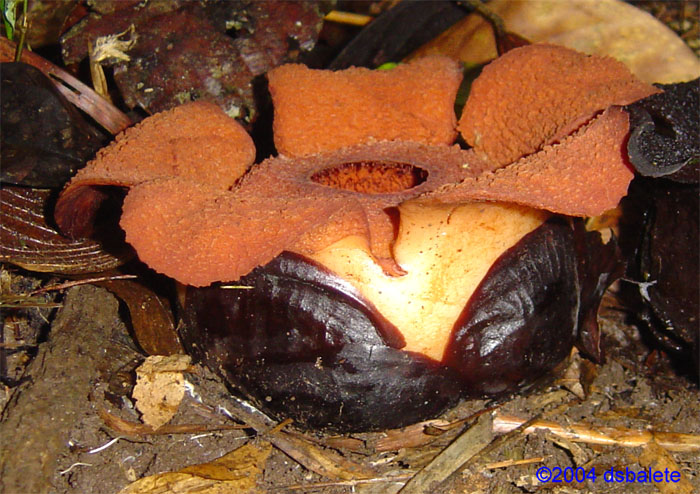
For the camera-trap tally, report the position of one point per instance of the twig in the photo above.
(23, 33)
(86, 281)
(131, 429)
(611, 436)
(349, 18)
(514, 463)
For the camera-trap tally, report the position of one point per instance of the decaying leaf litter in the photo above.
(625, 395)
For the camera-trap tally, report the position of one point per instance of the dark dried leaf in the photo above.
(398, 32)
(110, 17)
(665, 133)
(43, 138)
(183, 51)
(276, 31)
(180, 57)
(151, 317)
(27, 240)
(48, 19)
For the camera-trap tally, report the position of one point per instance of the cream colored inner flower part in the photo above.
(446, 250)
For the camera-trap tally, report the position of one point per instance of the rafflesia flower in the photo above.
(389, 268)
(542, 122)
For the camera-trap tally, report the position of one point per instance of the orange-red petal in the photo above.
(197, 140)
(320, 110)
(584, 175)
(198, 234)
(537, 94)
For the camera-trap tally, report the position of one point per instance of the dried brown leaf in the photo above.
(656, 458)
(183, 50)
(151, 317)
(237, 471)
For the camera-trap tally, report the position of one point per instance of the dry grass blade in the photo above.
(452, 458)
(323, 462)
(612, 436)
(81, 95)
(394, 479)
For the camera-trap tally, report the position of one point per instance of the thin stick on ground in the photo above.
(611, 436)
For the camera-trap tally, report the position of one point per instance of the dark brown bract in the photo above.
(304, 343)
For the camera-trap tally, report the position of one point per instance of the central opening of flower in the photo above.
(372, 177)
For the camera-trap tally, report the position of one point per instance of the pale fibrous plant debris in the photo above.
(113, 46)
(160, 387)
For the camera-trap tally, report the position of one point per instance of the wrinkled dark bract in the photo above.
(304, 346)
(665, 133)
(302, 343)
(665, 263)
(43, 138)
(599, 265)
(522, 319)
(28, 240)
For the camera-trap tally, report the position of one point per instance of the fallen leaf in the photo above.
(652, 51)
(236, 472)
(184, 51)
(160, 387)
(48, 19)
(45, 151)
(151, 317)
(657, 459)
